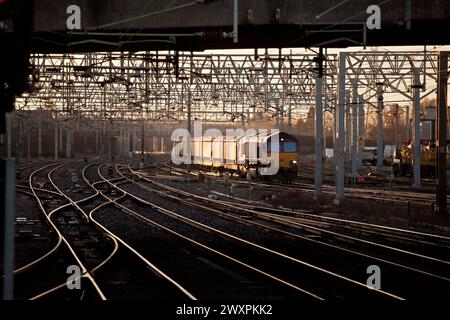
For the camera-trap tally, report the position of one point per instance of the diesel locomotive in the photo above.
(235, 154)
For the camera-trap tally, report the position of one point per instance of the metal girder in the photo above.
(124, 86)
(395, 70)
(224, 88)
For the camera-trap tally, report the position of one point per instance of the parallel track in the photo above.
(106, 263)
(318, 271)
(399, 197)
(413, 239)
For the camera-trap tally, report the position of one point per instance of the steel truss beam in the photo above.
(125, 86)
(225, 88)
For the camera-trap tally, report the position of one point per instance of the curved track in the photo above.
(421, 263)
(61, 239)
(248, 238)
(63, 242)
(265, 251)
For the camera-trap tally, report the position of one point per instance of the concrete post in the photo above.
(120, 143)
(96, 141)
(40, 134)
(109, 137)
(61, 131)
(8, 116)
(348, 128)
(289, 115)
(416, 129)
(396, 125)
(354, 129)
(19, 144)
(361, 118)
(84, 139)
(441, 121)
(335, 137)
(125, 142)
(235, 20)
(340, 121)
(68, 143)
(189, 127)
(111, 152)
(277, 115)
(266, 81)
(102, 138)
(281, 115)
(318, 147)
(130, 133)
(9, 214)
(28, 146)
(380, 150)
(142, 139)
(360, 128)
(407, 124)
(56, 140)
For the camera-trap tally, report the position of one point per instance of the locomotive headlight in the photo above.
(294, 161)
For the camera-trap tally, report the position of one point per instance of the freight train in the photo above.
(233, 154)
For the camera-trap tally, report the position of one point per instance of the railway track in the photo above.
(378, 231)
(160, 285)
(326, 217)
(415, 262)
(373, 181)
(250, 277)
(263, 252)
(356, 286)
(119, 274)
(34, 236)
(50, 268)
(401, 198)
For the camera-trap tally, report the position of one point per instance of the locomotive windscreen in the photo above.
(290, 146)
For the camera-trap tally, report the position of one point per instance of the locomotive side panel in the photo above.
(217, 152)
(230, 154)
(196, 150)
(207, 151)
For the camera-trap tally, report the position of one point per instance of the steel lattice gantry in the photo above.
(159, 87)
(376, 79)
(223, 87)
(129, 86)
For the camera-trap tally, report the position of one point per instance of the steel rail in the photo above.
(61, 238)
(393, 229)
(216, 252)
(124, 243)
(245, 221)
(253, 245)
(314, 229)
(107, 259)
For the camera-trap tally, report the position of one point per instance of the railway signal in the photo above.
(15, 29)
(16, 18)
